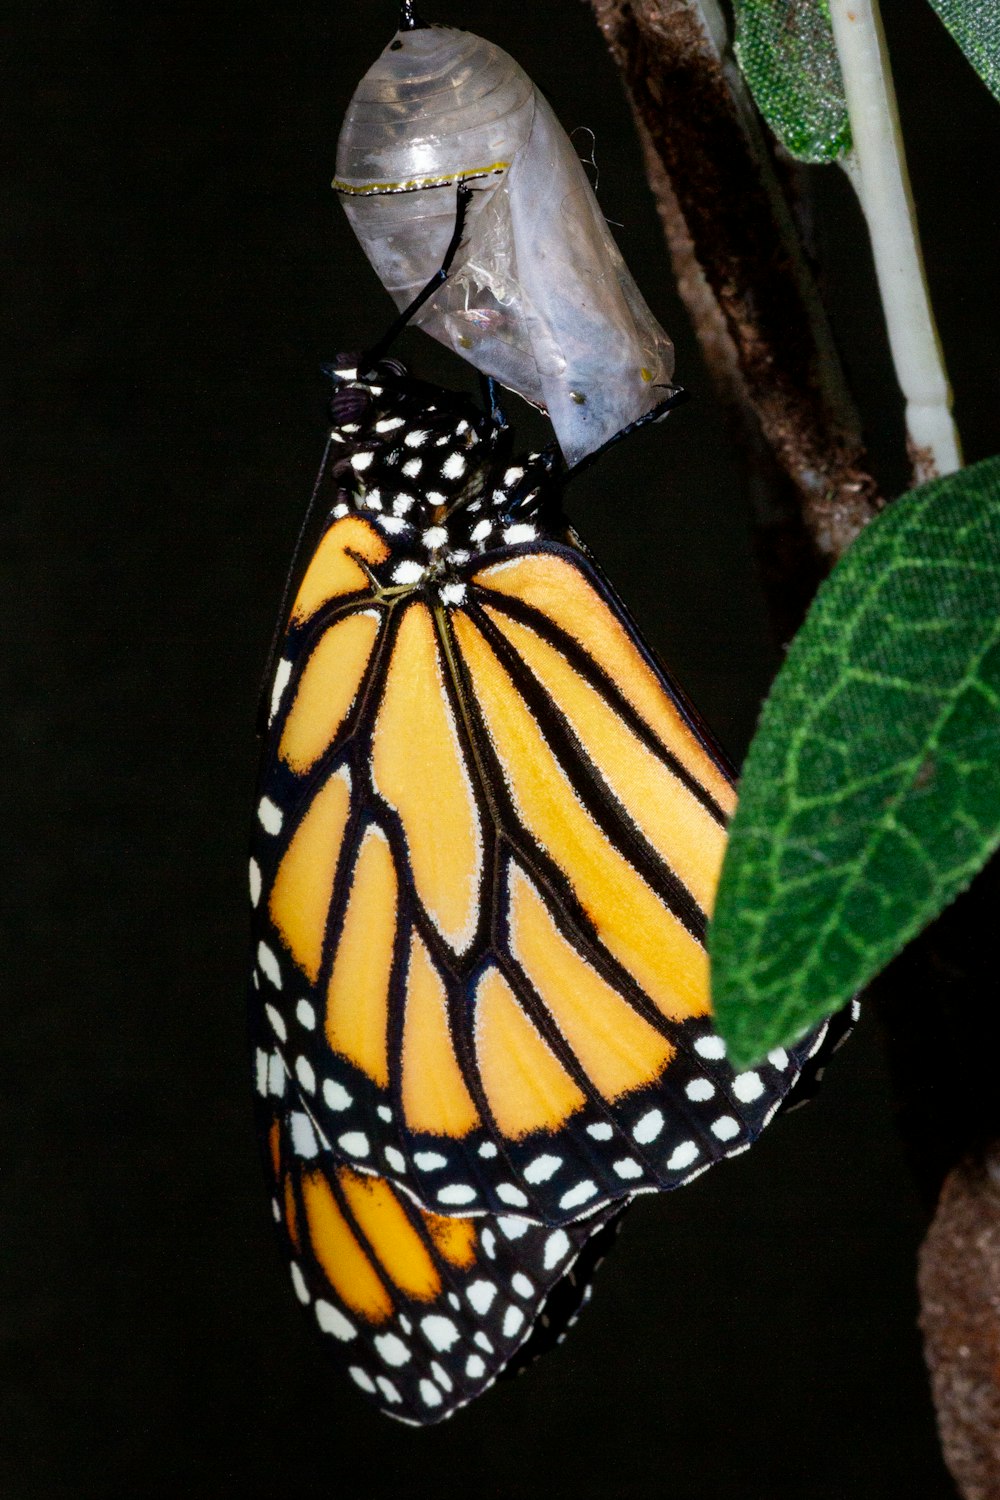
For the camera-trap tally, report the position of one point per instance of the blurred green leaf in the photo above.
(786, 51)
(975, 25)
(871, 792)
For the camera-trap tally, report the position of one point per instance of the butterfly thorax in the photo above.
(432, 472)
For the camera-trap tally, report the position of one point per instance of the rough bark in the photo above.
(743, 239)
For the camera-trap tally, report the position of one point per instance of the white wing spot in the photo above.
(513, 1319)
(725, 1128)
(332, 1321)
(508, 1193)
(304, 1142)
(712, 1047)
(511, 1228)
(261, 1061)
(699, 1089)
(513, 475)
(481, 1295)
(453, 466)
(388, 1390)
(305, 1015)
(402, 504)
(299, 1283)
(281, 676)
(441, 1375)
(556, 1249)
(254, 882)
(384, 1113)
(481, 1339)
(600, 1132)
(452, 593)
(429, 1161)
(391, 1348)
(481, 531)
(269, 966)
(392, 525)
(388, 424)
(276, 1075)
(277, 1021)
(362, 1378)
(457, 1193)
(628, 1167)
(416, 439)
(336, 1096)
(488, 1150)
(582, 1193)
(408, 571)
(488, 1242)
(475, 1367)
(778, 1059)
(521, 533)
(747, 1087)
(430, 1393)
(395, 1158)
(648, 1127)
(434, 536)
(355, 1143)
(521, 1285)
(412, 467)
(439, 1332)
(542, 1168)
(361, 461)
(270, 815)
(304, 1073)
(682, 1156)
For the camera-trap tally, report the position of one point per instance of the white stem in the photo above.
(878, 173)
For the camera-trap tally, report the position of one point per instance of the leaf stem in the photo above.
(877, 171)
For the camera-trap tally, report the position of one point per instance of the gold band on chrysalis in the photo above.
(414, 184)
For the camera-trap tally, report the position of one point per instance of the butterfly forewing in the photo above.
(487, 842)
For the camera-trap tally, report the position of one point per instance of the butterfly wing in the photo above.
(423, 1311)
(486, 849)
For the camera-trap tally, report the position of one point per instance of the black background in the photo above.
(178, 270)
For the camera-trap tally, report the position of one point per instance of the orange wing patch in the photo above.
(344, 1262)
(418, 766)
(681, 830)
(435, 1096)
(357, 1001)
(332, 573)
(618, 1050)
(300, 896)
(327, 688)
(559, 590)
(629, 917)
(526, 1085)
(395, 1243)
(454, 1239)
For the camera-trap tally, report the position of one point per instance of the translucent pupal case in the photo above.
(538, 296)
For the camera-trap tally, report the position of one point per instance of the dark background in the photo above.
(178, 270)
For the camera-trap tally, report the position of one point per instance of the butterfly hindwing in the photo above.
(423, 1311)
(488, 836)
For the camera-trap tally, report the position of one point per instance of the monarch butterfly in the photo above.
(489, 826)
(487, 838)
(539, 296)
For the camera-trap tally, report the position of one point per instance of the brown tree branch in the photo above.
(720, 174)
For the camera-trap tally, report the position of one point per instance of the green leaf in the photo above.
(787, 53)
(975, 25)
(871, 792)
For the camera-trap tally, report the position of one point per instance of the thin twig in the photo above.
(877, 169)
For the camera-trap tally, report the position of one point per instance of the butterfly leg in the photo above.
(368, 361)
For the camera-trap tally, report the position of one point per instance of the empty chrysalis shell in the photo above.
(538, 296)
